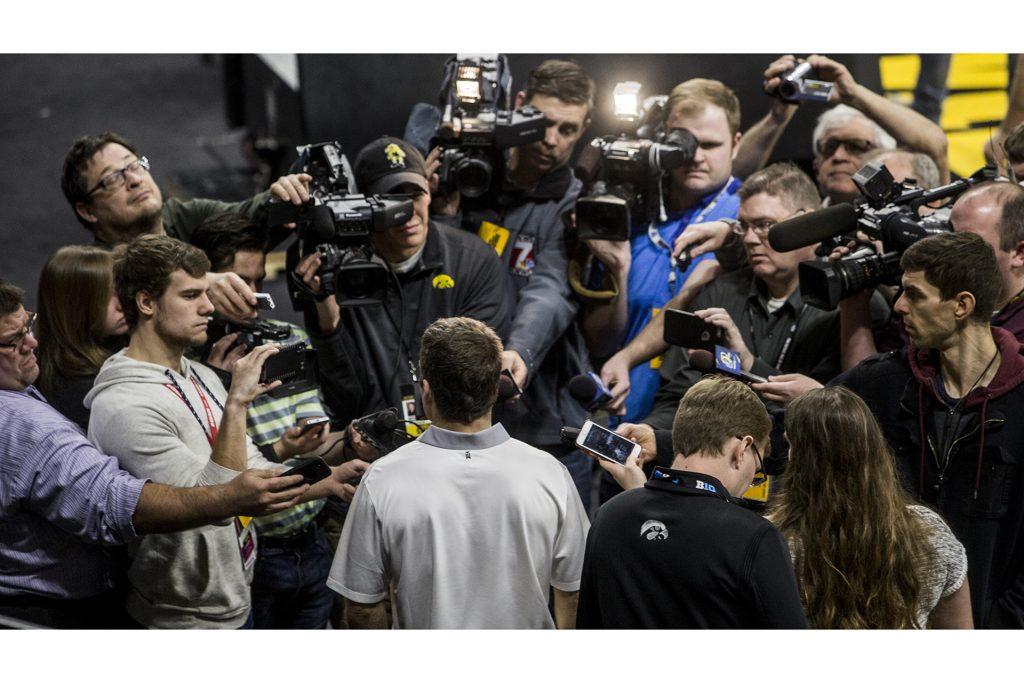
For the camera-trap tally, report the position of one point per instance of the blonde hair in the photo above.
(692, 96)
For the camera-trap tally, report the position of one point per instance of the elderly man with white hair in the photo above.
(861, 122)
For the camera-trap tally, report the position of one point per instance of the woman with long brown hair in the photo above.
(866, 556)
(80, 325)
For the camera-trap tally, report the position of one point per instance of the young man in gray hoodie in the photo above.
(171, 420)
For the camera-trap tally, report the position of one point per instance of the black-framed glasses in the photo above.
(829, 146)
(760, 476)
(760, 228)
(116, 179)
(18, 339)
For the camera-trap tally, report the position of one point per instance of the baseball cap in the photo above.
(386, 163)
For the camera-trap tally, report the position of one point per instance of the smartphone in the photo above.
(689, 331)
(287, 365)
(264, 302)
(312, 471)
(313, 423)
(605, 443)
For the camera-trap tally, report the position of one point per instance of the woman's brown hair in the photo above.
(858, 548)
(74, 293)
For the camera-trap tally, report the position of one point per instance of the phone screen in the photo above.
(608, 444)
(689, 331)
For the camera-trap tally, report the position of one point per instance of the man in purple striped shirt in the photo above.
(62, 502)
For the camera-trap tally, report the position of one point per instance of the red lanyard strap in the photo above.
(210, 429)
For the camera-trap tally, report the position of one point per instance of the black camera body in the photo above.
(890, 215)
(337, 222)
(478, 123)
(250, 335)
(622, 177)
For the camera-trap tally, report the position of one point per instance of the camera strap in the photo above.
(654, 234)
(210, 428)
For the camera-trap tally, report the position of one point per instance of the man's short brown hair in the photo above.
(1014, 145)
(461, 359)
(564, 79)
(145, 265)
(72, 175)
(692, 96)
(225, 234)
(785, 181)
(715, 410)
(11, 298)
(955, 262)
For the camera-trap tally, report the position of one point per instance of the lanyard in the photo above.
(655, 236)
(210, 429)
(785, 345)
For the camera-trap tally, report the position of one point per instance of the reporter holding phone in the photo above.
(170, 420)
(677, 552)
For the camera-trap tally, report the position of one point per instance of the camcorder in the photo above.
(478, 123)
(294, 365)
(889, 214)
(337, 222)
(622, 174)
(797, 87)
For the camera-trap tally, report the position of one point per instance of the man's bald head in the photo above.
(995, 211)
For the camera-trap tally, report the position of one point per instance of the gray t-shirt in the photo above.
(469, 529)
(945, 569)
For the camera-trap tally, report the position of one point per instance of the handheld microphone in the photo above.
(723, 362)
(589, 390)
(811, 228)
(507, 387)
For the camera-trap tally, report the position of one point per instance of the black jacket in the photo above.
(980, 494)
(367, 361)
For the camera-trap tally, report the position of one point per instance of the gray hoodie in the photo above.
(190, 579)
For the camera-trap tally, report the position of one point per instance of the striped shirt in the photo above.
(60, 501)
(267, 420)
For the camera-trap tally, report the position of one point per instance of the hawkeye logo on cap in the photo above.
(395, 155)
(443, 282)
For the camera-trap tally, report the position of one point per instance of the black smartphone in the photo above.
(287, 365)
(312, 471)
(689, 331)
(313, 423)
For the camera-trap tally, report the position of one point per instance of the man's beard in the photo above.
(142, 225)
(174, 337)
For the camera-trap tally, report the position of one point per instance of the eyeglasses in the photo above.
(18, 339)
(116, 179)
(760, 476)
(760, 228)
(828, 147)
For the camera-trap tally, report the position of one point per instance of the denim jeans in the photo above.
(289, 587)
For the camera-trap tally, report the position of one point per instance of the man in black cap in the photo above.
(367, 354)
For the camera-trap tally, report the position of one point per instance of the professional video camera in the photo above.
(622, 174)
(338, 223)
(477, 123)
(796, 86)
(889, 214)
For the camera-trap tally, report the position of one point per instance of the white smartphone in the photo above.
(264, 302)
(605, 443)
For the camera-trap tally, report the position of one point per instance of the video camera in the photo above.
(338, 222)
(294, 365)
(477, 123)
(622, 174)
(796, 86)
(250, 335)
(889, 214)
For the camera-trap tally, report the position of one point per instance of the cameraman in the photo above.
(109, 187)
(367, 354)
(643, 269)
(545, 348)
(864, 120)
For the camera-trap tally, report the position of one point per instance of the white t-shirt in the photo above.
(470, 529)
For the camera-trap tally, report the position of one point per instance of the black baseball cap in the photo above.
(388, 162)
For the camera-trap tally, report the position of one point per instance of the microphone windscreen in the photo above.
(385, 421)
(582, 388)
(811, 228)
(702, 360)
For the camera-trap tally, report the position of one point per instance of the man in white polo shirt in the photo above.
(469, 526)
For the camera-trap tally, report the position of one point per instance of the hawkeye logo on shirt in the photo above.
(443, 281)
(653, 530)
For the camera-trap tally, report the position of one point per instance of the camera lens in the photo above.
(472, 175)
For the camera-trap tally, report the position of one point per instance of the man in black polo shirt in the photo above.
(367, 354)
(678, 552)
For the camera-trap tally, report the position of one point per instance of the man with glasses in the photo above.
(61, 500)
(862, 121)
(108, 184)
(759, 308)
(677, 551)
